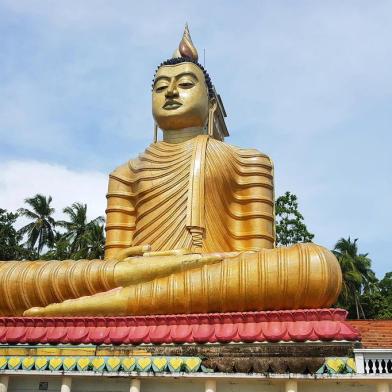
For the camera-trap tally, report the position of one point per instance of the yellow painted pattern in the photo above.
(69, 363)
(350, 363)
(55, 363)
(128, 363)
(99, 364)
(338, 365)
(14, 362)
(28, 362)
(41, 363)
(3, 362)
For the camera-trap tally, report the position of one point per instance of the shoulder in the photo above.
(122, 173)
(122, 170)
(247, 155)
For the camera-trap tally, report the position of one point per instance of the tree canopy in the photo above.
(81, 233)
(358, 277)
(9, 237)
(40, 230)
(45, 238)
(290, 226)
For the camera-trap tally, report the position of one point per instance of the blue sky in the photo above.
(307, 82)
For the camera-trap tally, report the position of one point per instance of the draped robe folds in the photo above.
(201, 194)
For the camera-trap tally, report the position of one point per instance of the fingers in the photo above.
(199, 262)
(134, 251)
(173, 252)
(33, 312)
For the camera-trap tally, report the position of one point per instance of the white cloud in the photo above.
(22, 179)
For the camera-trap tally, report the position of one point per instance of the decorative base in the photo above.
(274, 326)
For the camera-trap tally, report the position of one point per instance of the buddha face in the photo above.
(180, 97)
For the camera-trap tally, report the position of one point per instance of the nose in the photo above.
(172, 90)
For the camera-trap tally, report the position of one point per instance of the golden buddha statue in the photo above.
(190, 226)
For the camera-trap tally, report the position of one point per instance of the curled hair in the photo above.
(179, 60)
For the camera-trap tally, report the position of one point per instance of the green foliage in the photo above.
(61, 249)
(359, 279)
(95, 240)
(86, 238)
(9, 237)
(77, 238)
(386, 284)
(40, 231)
(377, 304)
(290, 226)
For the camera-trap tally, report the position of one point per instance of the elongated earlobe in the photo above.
(211, 117)
(155, 132)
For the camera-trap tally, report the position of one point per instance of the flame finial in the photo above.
(186, 47)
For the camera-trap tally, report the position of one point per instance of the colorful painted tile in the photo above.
(192, 364)
(113, 364)
(175, 364)
(41, 363)
(3, 363)
(83, 363)
(14, 363)
(69, 363)
(159, 364)
(98, 364)
(28, 363)
(335, 365)
(55, 363)
(128, 364)
(351, 365)
(143, 364)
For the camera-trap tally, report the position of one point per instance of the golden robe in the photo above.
(202, 194)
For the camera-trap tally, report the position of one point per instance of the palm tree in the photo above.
(95, 238)
(77, 227)
(41, 230)
(358, 277)
(60, 249)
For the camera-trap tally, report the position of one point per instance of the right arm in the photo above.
(120, 212)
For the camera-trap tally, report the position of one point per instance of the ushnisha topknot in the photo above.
(187, 53)
(186, 47)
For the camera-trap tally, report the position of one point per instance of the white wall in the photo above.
(250, 386)
(102, 384)
(21, 383)
(156, 385)
(338, 387)
(31, 383)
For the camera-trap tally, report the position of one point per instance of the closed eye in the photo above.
(160, 89)
(186, 84)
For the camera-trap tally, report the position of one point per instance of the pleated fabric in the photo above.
(227, 192)
(303, 276)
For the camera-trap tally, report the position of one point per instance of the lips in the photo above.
(171, 105)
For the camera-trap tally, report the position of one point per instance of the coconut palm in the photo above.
(77, 227)
(95, 238)
(40, 231)
(358, 276)
(60, 249)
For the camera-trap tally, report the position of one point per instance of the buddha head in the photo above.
(181, 90)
